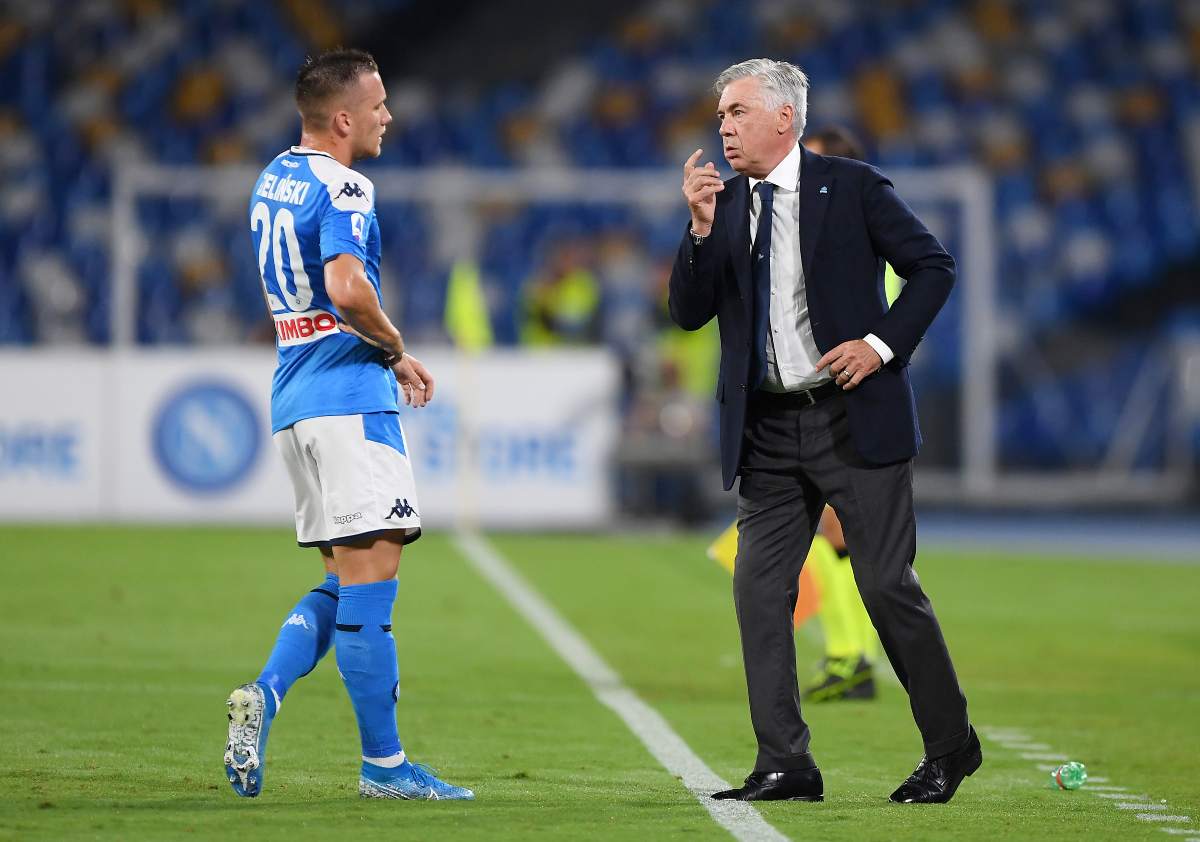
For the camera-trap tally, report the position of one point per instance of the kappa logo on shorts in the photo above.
(352, 190)
(296, 620)
(401, 509)
(347, 518)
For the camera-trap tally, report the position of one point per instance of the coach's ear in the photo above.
(784, 117)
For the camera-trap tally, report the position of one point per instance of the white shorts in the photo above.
(351, 477)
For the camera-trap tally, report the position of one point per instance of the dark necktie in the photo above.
(760, 275)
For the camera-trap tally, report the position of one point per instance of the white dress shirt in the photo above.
(791, 350)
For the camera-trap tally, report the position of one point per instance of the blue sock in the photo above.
(304, 638)
(366, 658)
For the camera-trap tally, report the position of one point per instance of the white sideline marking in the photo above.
(1159, 817)
(1046, 767)
(1122, 797)
(647, 724)
(1041, 755)
(1021, 745)
(1003, 734)
(1011, 738)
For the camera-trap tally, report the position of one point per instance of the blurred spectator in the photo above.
(561, 306)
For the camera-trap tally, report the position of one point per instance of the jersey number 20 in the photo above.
(285, 224)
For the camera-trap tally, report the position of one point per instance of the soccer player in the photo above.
(335, 421)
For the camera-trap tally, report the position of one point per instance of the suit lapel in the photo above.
(816, 191)
(737, 226)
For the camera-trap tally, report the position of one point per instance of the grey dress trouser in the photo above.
(796, 458)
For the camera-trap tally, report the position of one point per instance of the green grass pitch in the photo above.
(118, 646)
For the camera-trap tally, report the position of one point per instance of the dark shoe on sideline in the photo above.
(936, 780)
(796, 785)
(841, 678)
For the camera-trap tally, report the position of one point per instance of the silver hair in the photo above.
(782, 83)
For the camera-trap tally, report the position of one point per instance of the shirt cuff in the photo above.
(881, 348)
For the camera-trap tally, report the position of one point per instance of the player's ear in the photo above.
(341, 123)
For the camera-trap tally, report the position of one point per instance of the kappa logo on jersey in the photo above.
(401, 510)
(297, 620)
(302, 328)
(352, 190)
(357, 223)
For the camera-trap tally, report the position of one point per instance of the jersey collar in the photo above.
(304, 150)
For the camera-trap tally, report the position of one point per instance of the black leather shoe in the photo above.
(936, 780)
(796, 785)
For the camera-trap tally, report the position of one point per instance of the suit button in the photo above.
(742, 386)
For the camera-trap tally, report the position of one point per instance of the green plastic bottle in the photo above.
(1071, 775)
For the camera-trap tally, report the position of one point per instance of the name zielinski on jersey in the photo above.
(291, 190)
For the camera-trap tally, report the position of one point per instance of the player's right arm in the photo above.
(358, 303)
(354, 297)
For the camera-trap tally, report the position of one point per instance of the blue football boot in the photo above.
(409, 781)
(251, 711)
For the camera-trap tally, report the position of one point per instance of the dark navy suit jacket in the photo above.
(851, 221)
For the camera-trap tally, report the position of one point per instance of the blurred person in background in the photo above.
(561, 306)
(335, 420)
(816, 407)
(851, 645)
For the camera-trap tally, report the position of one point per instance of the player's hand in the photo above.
(700, 187)
(851, 363)
(415, 381)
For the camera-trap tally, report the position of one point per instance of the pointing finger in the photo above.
(691, 162)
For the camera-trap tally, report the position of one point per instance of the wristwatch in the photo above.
(697, 239)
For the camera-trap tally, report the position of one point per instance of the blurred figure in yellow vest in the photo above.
(561, 306)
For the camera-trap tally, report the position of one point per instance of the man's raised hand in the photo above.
(700, 187)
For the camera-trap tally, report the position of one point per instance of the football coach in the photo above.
(816, 407)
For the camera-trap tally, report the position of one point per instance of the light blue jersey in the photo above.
(307, 209)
